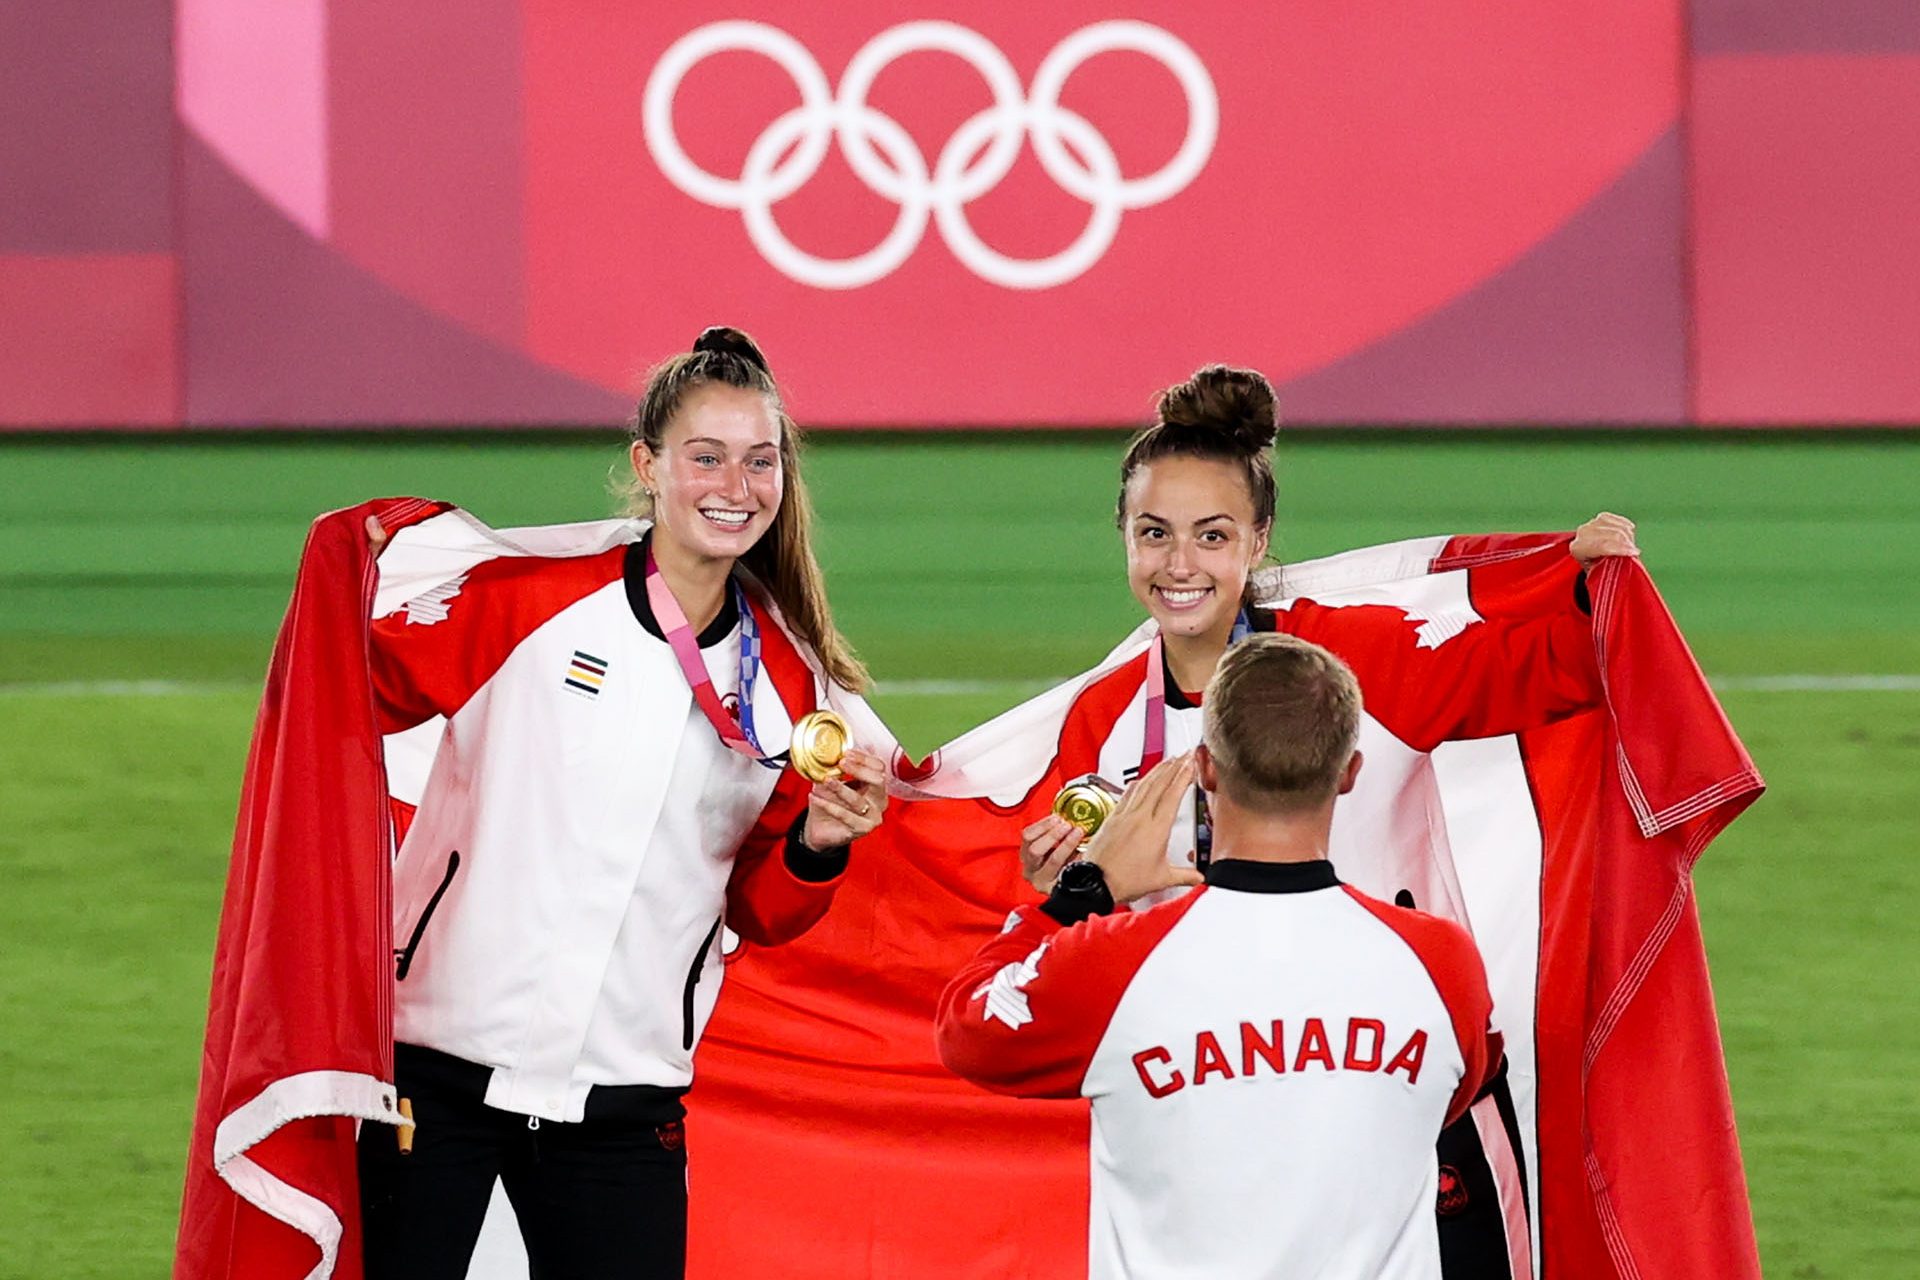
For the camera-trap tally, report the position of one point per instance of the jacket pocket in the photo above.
(403, 956)
(693, 980)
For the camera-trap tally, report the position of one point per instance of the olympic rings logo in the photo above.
(885, 157)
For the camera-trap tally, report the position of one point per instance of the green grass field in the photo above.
(990, 560)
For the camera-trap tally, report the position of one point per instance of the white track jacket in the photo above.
(1270, 1060)
(582, 831)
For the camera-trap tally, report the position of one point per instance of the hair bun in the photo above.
(725, 340)
(1238, 403)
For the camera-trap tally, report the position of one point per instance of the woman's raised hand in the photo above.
(843, 809)
(376, 536)
(1605, 535)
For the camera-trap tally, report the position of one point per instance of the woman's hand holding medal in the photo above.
(1047, 846)
(844, 808)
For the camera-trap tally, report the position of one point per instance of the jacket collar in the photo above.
(1271, 877)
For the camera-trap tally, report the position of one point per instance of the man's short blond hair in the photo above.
(1282, 716)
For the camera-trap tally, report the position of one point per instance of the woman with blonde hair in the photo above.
(611, 788)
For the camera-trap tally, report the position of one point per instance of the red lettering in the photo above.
(1313, 1046)
(1174, 1083)
(1208, 1060)
(1371, 1062)
(1410, 1057)
(1252, 1046)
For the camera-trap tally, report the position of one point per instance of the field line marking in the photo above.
(1902, 683)
(1897, 683)
(123, 688)
(963, 688)
(1817, 684)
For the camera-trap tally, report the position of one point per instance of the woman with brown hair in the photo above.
(611, 787)
(1195, 512)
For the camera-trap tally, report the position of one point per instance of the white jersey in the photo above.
(1270, 1060)
(582, 831)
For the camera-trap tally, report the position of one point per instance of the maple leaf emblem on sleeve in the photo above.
(431, 606)
(1006, 996)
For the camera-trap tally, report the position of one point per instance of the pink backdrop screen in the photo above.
(502, 211)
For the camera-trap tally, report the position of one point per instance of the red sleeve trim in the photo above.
(424, 669)
(766, 903)
(1503, 672)
(1027, 1013)
(1451, 960)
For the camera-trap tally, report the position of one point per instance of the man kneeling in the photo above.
(1271, 1056)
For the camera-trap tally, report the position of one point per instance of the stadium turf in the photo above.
(141, 579)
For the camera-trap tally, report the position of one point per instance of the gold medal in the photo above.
(1086, 802)
(820, 740)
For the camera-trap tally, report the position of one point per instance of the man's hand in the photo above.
(1605, 535)
(1131, 845)
(843, 809)
(376, 536)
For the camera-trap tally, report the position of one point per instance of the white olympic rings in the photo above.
(981, 152)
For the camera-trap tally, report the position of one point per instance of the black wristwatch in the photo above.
(1079, 891)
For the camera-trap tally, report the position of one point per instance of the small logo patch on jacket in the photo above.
(585, 675)
(1453, 1192)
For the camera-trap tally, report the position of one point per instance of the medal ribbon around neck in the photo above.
(1154, 747)
(679, 632)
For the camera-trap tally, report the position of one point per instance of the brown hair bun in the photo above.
(1220, 413)
(1238, 403)
(725, 340)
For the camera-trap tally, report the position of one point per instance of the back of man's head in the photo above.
(1282, 716)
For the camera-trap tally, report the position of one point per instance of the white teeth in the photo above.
(1178, 598)
(732, 519)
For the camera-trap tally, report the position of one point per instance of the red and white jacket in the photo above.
(581, 830)
(1436, 673)
(1270, 1059)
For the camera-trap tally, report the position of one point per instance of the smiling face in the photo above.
(717, 478)
(1191, 542)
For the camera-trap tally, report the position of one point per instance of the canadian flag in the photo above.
(299, 1047)
(827, 1140)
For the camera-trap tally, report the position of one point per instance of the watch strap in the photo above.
(1079, 896)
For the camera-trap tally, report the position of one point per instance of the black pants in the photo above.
(1473, 1228)
(596, 1200)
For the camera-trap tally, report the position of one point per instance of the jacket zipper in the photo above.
(693, 980)
(403, 959)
